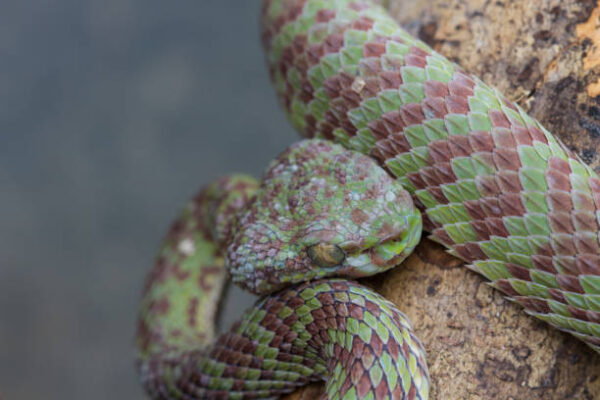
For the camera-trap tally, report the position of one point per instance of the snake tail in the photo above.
(495, 187)
(182, 292)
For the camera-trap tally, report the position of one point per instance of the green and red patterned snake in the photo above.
(394, 123)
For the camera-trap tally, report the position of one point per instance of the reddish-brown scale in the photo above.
(518, 271)
(563, 245)
(461, 85)
(509, 182)
(595, 187)
(593, 316)
(412, 392)
(445, 173)
(329, 311)
(490, 205)
(430, 177)
(339, 108)
(395, 125)
(481, 141)
(577, 313)
(435, 89)
(569, 283)
(506, 287)
(332, 86)
(324, 16)
(480, 228)
(434, 191)
(325, 299)
(439, 150)
(476, 212)
(374, 49)
(435, 107)
(498, 119)
(442, 236)
(364, 386)
(457, 104)
(460, 146)
(399, 143)
(560, 222)
(412, 114)
(496, 227)
(475, 251)
(358, 6)
(584, 204)
(193, 311)
(306, 91)
(506, 158)
(417, 181)
(534, 304)
(416, 58)
(463, 252)
(333, 43)
(362, 24)
(314, 53)
(589, 264)
(371, 88)
(511, 204)
(537, 135)
(378, 129)
(350, 99)
(586, 245)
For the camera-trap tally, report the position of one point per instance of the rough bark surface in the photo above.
(544, 54)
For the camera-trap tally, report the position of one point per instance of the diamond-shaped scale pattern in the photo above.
(270, 352)
(332, 330)
(497, 189)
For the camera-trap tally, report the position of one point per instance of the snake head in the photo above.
(322, 210)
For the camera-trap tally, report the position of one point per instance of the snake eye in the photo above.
(326, 255)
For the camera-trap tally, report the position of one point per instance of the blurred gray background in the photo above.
(112, 114)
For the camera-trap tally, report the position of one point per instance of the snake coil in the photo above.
(493, 186)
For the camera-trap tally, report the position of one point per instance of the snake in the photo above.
(319, 211)
(397, 139)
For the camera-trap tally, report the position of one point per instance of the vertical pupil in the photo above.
(326, 255)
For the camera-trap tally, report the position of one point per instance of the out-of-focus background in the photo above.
(112, 114)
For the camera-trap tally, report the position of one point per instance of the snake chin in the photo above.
(385, 255)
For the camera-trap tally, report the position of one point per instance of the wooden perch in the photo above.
(546, 56)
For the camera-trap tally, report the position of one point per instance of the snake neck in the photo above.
(219, 205)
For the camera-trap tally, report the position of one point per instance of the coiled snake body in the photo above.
(493, 185)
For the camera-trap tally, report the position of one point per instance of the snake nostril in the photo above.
(326, 255)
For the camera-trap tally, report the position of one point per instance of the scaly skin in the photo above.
(495, 187)
(320, 210)
(319, 201)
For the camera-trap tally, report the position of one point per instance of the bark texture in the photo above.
(544, 54)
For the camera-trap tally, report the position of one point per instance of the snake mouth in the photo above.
(388, 253)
